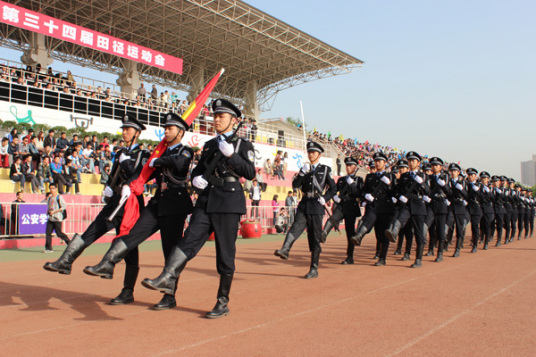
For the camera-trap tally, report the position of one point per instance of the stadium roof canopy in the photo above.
(251, 45)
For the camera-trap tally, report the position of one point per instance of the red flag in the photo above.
(132, 214)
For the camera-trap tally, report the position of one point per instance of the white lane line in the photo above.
(456, 317)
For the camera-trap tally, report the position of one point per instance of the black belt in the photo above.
(170, 186)
(229, 179)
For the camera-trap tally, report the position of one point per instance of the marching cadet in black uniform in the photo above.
(126, 168)
(513, 202)
(224, 160)
(458, 212)
(532, 211)
(488, 213)
(528, 204)
(166, 211)
(376, 198)
(439, 191)
(507, 222)
(406, 231)
(474, 196)
(413, 187)
(349, 190)
(313, 181)
(520, 198)
(499, 209)
(429, 220)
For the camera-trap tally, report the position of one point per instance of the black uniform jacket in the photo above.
(229, 196)
(458, 198)
(381, 192)
(171, 174)
(439, 194)
(349, 194)
(413, 191)
(313, 184)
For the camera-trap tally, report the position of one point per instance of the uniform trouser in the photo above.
(417, 223)
(520, 222)
(513, 223)
(531, 221)
(101, 225)
(349, 223)
(440, 231)
(171, 229)
(485, 226)
(497, 223)
(337, 217)
(475, 228)
(381, 223)
(407, 232)
(51, 227)
(428, 221)
(225, 228)
(461, 223)
(507, 218)
(313, 223)
(527, 223)
(369, 219)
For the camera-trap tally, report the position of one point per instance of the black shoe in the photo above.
(348, 260)
(474, 249)
(323, 237)
(105, 269)
(456, 253)
(167, 302)
(358, 237)
(405, 257)
(64, 263)
(313, 273)
(398, 252)
(125, 297)
(377, 256)
(439, 258)
(498, 244)
(417, 264)
(430, 253)
(380, 263)
(485, 246)
(219, 310)
(391, 236)
(282, 253)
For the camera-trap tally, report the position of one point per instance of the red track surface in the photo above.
(475, 305)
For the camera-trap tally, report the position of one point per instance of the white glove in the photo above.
(403, 199)
(476, 188)
(125, 191)
(108, 192)
(151, 164)
(200, 182)
(497, 190)
(369, 197)
(386, 180)
(123, 157)
(464, 202)
(364, 204)
(441, 182)
(226, 148)
(418, 179)
(321, 200)
(336, 199)
(459, 187)
(394, 199)
(305, 168)
(448, 202)
(426, 199)
(506, 193)
(349, 180)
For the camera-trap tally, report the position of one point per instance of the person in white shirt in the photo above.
(255, 194)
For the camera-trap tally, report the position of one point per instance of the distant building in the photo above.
(528, 172)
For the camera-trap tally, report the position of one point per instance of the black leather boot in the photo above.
(105, 269)
(398, 251)
(360, 233)
(313, 271)
(327, 228)
(405, 257)
(285, 249)
(417, 264)
(393, 230)
(418, 258)
(349, 254)
(126, 296)
(221, 309)
(168, 302)
(166, 282)
(380, 263)
(439, 257)
(378, 249)
(69, 255)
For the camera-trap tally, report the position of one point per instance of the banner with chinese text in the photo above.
(32, 218)
(49, 26)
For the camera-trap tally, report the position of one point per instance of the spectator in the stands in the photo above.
(94, 142)
(76, 165)
(24, 146)
(69, 173)
(105, 143)
(255, 195)
(96, 155)
(13, 149)
(4, 153)
(86, 160)
(62, 143)
(15, 173)
(260, 180)
(142, 92)
(34, 151)
(268, 170)
(47, 152)
(15, 210)
(154, 93)
(55, 207)
(105, 175)
(281, 223)
(73, 140)
(29, 173)
(44, 175)
(50, 140)
(57, 174)
(12, 134)
(85, 141)
(113, 144)
(108, 156)
(30, 134)
(40, 140)
(275, 208)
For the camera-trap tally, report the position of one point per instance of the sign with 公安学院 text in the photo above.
(34, 21)
(32, 218)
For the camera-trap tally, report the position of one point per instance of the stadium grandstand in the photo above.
(262, 56)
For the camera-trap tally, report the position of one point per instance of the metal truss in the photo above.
(251, 45)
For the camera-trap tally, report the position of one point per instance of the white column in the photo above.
(198, 82)
(129, 80)
(37, 53)
(251, 107)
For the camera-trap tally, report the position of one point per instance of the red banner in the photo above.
(49, 26)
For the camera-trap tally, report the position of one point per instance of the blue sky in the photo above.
(456, 79)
